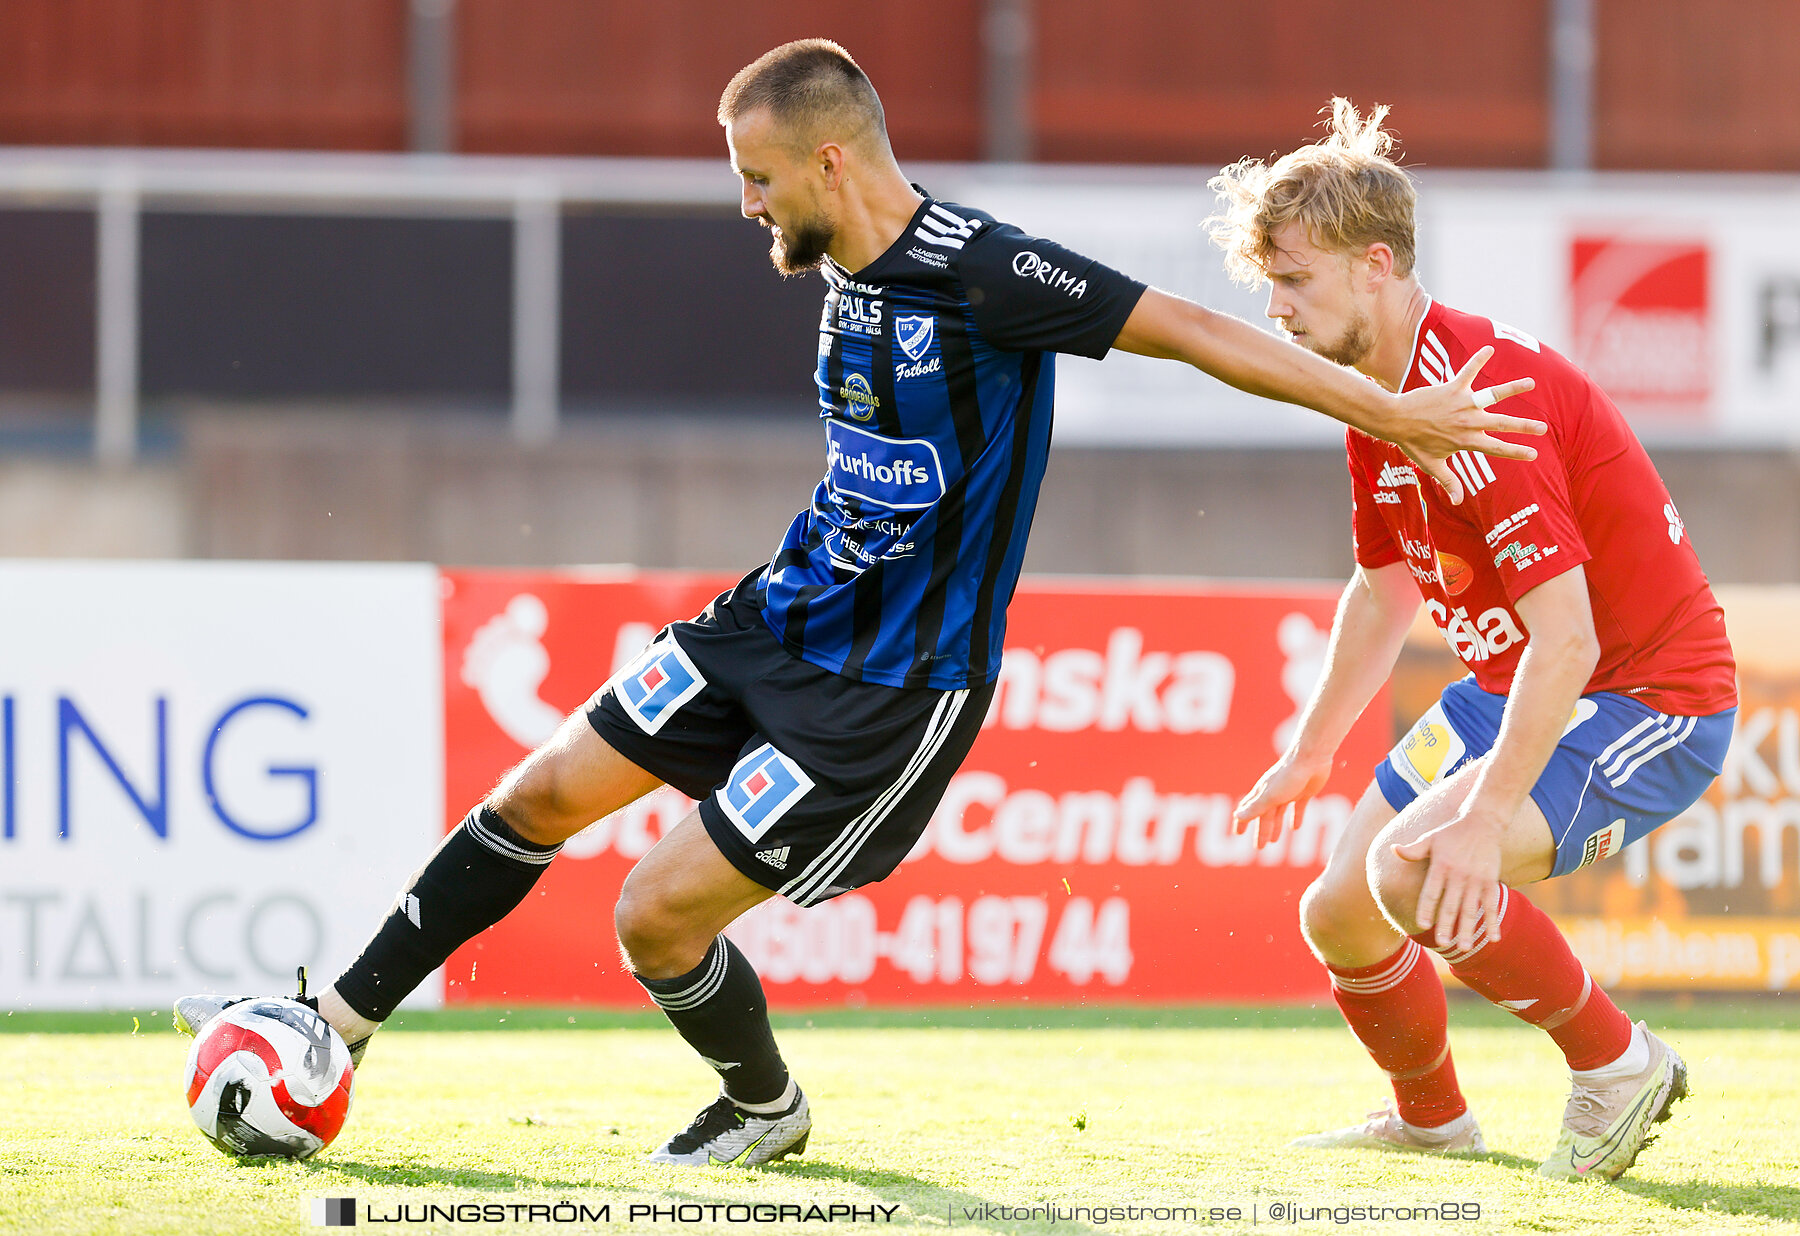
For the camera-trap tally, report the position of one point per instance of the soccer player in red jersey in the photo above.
(1601, 689)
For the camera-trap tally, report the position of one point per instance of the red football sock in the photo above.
(1533, 974)
(1396, 1010)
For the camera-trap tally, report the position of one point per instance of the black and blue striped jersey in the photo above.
(936, 379)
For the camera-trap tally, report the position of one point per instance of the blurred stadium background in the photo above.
(463, 282)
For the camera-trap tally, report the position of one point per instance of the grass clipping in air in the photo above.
(962, 1120)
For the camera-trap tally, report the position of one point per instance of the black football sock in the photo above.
(720, 1009)
(474, 879)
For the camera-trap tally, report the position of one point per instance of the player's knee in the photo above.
(534, 801)
(1326, 914)
(1395, 883)
(653, 938)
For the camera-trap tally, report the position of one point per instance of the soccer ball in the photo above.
(269, 1077)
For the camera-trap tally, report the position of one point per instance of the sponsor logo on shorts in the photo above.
(655, 686)
(777, 859)
(1609, 840)
(763, 787)
(1676, 527)
(1430, 751)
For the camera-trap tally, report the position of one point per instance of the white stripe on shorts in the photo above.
(831, 862)
(1675, 739)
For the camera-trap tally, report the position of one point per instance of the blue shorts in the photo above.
(1621, 769)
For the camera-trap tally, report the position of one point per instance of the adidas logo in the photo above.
(775, 858)
(1392, 476)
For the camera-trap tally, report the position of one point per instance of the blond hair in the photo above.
(1345, 189)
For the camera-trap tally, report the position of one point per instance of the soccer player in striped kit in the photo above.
(818, 709)
(1601, 692)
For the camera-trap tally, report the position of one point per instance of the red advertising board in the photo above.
(1641, 315)
(1084, 851)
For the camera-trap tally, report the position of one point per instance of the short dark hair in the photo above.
(814, 90)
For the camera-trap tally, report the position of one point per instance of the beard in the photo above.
(800, 249)
(1351, 347)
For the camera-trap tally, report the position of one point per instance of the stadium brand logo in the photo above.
(1474, 640)
(1125, 687)
(914, 333)
(860, 401)
(1028, 265)
(1642, 320)
(1499, 531)
(1395, 475)
(981, 819)
(72, 731)
(763, 787)
(654, 687)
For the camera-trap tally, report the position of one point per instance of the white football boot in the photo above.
(1384, 1130)
(193, 1012)
(726, 1134)
(1606, 1126)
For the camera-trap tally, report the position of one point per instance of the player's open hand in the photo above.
(1434, 422)
(1462, 880)
(1280, 797)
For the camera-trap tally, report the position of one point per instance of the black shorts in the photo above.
(809, 782)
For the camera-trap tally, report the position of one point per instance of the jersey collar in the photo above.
(1412, 361)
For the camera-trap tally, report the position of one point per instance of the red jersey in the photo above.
(1591, 498)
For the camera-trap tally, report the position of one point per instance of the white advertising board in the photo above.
(1681, 295)
(209, 773)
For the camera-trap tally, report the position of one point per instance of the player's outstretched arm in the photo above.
(1430, 425)
(1372, 618)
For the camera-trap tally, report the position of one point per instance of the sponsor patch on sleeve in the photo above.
(655, 685)
(763, 787)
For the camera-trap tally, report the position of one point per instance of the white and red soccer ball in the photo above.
(269, 1077)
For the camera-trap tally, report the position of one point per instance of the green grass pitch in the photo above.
(946, 1117)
